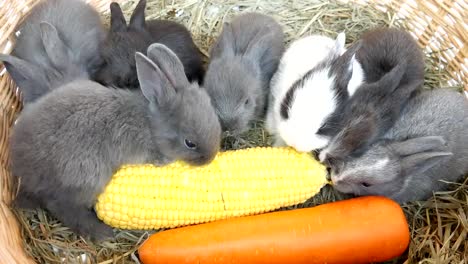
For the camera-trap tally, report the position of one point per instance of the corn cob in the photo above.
(236, 183)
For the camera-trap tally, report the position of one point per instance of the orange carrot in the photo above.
(358, 230)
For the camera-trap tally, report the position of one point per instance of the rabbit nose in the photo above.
(203, 156)
(229, 125)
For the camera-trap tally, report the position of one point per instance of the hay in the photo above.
(439, 226)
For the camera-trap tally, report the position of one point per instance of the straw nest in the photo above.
(439, 226)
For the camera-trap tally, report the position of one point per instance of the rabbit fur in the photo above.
(58, 42)
(66, 145)
(305, 93)
(124, 40)
(393, 68)
(242, 61)
(427, 145)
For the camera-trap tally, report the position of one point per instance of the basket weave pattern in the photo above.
(439, 25)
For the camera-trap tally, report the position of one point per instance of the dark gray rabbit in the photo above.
(429, 143)
(123, 41)
(67, 144)
(243, 59)
(58, 42)
(393, 70)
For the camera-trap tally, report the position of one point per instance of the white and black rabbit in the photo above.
(427, 145)
(315, 77)
(242, 61)
(393, 68)
(58, 43)
(124, 40)
(67, 144)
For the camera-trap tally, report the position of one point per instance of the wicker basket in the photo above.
(437, 24)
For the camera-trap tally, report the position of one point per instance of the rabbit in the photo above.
(66, 145)
(427, 144)
(58, 43)
(393, 68)
(242, 61)
(315, 77)
(123, 41)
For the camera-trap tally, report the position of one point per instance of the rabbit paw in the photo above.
(100, 232)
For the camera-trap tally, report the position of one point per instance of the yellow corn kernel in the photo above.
(236, 183)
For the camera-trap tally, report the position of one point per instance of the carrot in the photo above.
(358, 230)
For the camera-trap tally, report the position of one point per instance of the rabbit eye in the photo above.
(189, 144)
(365, 184)
(247, 101)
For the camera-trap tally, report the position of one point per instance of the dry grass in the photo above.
(439, 226)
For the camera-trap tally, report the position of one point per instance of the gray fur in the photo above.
(428, 144)
(243, 59)
(384, 48)
(123, 41)
(66, 145)
(394, 69)
(58, 43)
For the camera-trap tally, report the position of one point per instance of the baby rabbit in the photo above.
(243, 60)
(123, 41)
(393, 68)
(429, 143)
(67, 144)
(58, 43)
(315, 77)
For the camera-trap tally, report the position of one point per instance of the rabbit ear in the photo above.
(405, 90)
(343, 59)
(170, 65)
(352, 139)
(88, 46)
(418, 145)
(117, 20)
(352, 50)
(58, 53)
(153, 82)
(225, 43)
(339, 47)
(422, 153)
(357, 76)
(391, 80)
(420, 162)
(257, 47)
(354, 68)
(137, 20)
(17, 67)
(26, 75)
(349, 56)
(348, 70)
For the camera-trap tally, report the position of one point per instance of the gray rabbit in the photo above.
(243, 60)
(393, 70)
(67, 144)
(123, 41)
(58, 43)
(428, 144)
